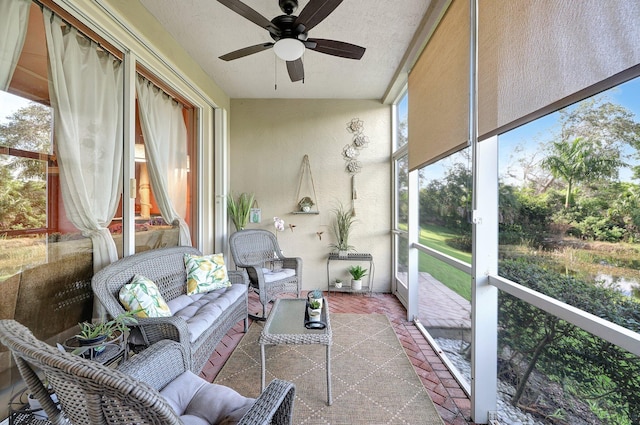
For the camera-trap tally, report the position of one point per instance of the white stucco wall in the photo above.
(268, 140)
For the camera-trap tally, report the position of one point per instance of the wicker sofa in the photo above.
(198, 321)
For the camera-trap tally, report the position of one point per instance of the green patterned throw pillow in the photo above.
(205, 273)
(142, 295)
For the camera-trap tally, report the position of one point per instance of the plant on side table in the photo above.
(357, 273)
(93, 337)
(341, 229)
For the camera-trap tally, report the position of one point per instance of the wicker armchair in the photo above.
(154, 387)
(270, 272)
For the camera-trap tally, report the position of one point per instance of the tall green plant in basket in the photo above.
(239, 210)
(341, 228)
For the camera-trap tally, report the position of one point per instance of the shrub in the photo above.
(557, 348)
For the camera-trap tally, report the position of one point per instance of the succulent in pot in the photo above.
(305, 204)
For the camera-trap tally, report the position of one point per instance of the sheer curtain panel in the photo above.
(14, 19)
(165, 139)
(86, 95)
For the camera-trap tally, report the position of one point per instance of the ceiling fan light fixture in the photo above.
(289, 49)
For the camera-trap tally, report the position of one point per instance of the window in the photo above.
(61, 170)
(164, 128)
(569, 226)
(401, 197)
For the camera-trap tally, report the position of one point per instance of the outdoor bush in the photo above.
(462, 243)
(601, 371)
(597, 229)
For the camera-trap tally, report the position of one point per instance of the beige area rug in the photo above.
(373, 381)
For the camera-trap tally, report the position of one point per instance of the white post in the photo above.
(484, 297)
(221, 180)
(413, 235)
(129, 171)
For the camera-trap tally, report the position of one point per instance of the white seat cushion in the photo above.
(272, 276)
(198, 402)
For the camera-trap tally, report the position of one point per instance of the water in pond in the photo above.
(627, 286)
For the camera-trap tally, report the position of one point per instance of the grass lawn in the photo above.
(434, 237)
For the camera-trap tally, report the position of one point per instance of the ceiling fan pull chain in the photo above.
(275, 73)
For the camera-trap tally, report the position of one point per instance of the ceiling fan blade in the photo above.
(296, 70)
(250, 14)
(335, 48)
(314, 13)
(246, 51)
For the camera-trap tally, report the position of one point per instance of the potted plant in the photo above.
(341, 228)
(305, 204)
(93, 337)
(357, 273)
(315, 295)
(314, 310)
(338, 283)
(239, 210)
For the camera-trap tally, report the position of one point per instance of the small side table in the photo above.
(21, 414)
(351, 257)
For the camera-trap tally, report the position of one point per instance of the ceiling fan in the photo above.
(291, 33)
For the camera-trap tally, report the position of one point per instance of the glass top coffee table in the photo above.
(285, 325)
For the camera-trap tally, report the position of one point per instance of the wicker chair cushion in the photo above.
(201, 310)
(273, 276)
(205, 273)
(198, 402)
(143, 296)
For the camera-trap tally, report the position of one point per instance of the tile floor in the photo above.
(451, 402)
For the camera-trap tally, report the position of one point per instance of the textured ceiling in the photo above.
(207, 30)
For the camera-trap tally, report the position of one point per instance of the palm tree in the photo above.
(581, 161)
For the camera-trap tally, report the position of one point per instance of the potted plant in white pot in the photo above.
(305, 204)
(315, 295)
(314, 311)
(341, 229)
(338, 283)
(357, 273)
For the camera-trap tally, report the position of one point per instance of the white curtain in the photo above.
(165, 139)
(14, 20)
(86, 95)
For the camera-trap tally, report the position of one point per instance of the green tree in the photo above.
(606, 124)
(23, 196)
(28, 129)
(581, 160)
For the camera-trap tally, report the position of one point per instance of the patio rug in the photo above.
(373, 381)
